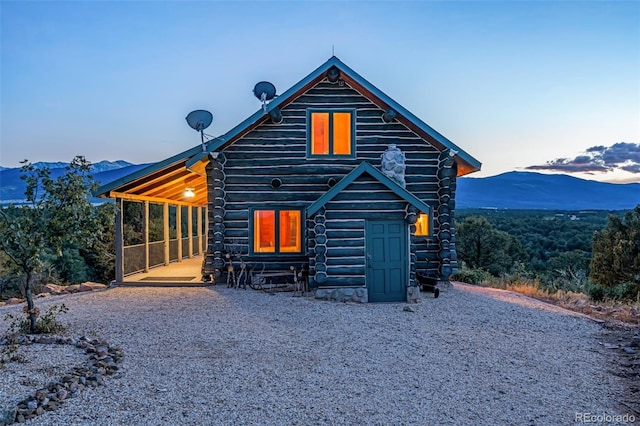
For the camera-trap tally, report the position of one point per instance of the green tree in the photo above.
(481, 246)
(100, 254)
(58, 213)
(569, 270)
(616, 251)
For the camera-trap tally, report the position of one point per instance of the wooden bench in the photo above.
(261, 281)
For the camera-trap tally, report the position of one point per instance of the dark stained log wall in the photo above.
(343, 262)
(279, 151)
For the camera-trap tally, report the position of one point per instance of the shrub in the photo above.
(46, 324)
(624, 291)
(472, 276)
(595, 292)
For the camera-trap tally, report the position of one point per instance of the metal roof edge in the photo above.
(409, 115)
(221, 140)
(102, 190)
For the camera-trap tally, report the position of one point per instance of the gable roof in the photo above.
(191, 162)
(466, 163)
(365, 167)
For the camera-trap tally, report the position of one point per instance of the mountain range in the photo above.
(537, 191)
(12, 187)
(511, 190)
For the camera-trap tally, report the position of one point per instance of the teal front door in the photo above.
(387, 261)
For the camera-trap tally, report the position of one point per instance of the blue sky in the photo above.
(514, 83)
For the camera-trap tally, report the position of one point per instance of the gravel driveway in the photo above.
(205, 356)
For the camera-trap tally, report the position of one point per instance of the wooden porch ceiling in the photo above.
(166, 184)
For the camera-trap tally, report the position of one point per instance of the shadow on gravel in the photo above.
(619, 342)
(622, 344)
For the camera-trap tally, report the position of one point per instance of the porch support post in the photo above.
(145, 224)
(199, 233)
(179, 231)
(190, 230)
(165, 218)
(205, 234)
(119, 241)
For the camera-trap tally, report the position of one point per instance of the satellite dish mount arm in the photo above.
(204, 147)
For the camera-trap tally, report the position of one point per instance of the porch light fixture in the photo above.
(189, 193)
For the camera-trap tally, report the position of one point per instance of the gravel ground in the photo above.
(207, 356)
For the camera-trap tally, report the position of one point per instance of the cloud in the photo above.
(598, 159)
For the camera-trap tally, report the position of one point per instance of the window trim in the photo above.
(277, 251)
(330, 111)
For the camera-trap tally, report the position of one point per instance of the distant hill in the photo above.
(12, 187)
(512, 190)
(537, 191)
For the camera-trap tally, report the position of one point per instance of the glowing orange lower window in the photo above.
(277, 231)
(331, 133)
(290, 231)
(320, 133)
(422, 225)
(264, 231)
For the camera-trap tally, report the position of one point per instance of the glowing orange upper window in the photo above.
(320, 133)
(277, 231)
(331, 133)
(342, 133)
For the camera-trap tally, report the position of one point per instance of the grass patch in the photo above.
(608, 308)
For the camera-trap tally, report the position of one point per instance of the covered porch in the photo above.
(159, 242)
(161, 223)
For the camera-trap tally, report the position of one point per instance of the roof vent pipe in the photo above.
(333, 74)
(276, 116)
(389, 115)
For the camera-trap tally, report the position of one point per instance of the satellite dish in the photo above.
(264, 91)
(199, 120)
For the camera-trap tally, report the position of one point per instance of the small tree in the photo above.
(58, 212)
(616, 251)
(481, 246)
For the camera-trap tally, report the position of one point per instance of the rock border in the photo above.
(102, 361)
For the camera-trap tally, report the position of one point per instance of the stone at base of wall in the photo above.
(413, 294)
(347, 294)
(445, 284)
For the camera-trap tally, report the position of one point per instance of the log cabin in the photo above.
(332, 177)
